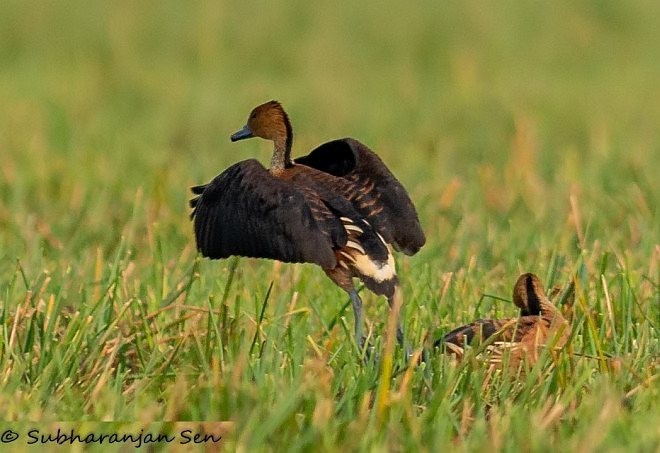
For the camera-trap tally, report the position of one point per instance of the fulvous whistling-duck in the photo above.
(338, 207)
(539, 324)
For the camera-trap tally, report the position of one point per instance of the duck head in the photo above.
(528, 294)
(268, 121)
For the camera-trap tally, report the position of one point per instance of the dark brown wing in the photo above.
(377, 194)
(328, 189)
(508, 330)
(246, 211)
(465, 335)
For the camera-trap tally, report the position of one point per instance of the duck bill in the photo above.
(244, 133)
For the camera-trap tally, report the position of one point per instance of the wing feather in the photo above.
(375, 192)
(475, 331)
(246, 211)
(508, 330)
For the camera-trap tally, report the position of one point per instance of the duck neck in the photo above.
(281, 155)
(282, 151)
(534, 299)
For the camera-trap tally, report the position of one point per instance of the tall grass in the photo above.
(526, 134)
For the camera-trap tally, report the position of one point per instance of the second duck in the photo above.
(521, 339)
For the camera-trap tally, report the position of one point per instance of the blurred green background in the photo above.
(99, 99)
(526, 133)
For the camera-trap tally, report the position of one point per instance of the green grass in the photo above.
(526, 134)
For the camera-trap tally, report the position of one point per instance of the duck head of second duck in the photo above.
(269, 121)
(530, 297)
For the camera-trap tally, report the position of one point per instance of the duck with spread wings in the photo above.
(338, 207)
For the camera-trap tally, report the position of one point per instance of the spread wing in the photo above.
(376, 193)
(246, 211)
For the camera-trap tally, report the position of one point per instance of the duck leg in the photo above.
(341, 277)
(399, 326)
(357, 310)
(394, 301)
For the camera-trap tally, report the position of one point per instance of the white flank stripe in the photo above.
(353, 228)
(506, 344)
(355, 246)
(455, 349)
(347, 256)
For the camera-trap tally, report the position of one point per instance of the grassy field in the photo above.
(527, 135)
